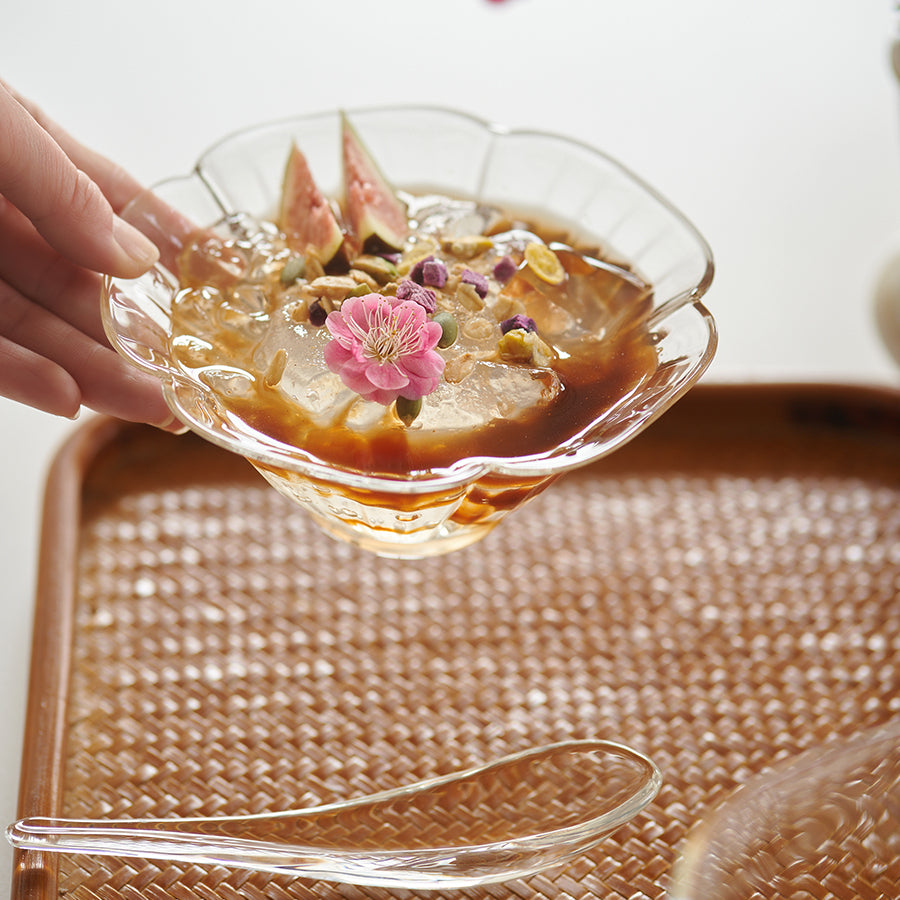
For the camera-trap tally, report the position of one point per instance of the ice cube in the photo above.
(514, 241)
(305, 381)
(243, 310)
(491, 391)
(445, 218)
(321, 394)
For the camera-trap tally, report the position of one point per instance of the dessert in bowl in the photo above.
(412, 321)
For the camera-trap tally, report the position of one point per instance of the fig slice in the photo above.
(372, 210)
(306, 216)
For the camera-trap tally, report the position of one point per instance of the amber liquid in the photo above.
(603, 360)
(589, 390)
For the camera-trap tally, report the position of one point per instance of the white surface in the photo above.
(774, 126)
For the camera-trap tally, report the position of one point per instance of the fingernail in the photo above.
(136, 246)
(173, 425)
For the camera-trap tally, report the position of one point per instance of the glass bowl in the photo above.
(822, 826)
(423, 513)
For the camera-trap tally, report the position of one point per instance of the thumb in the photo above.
(62, 202)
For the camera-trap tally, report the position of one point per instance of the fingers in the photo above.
(71, 295)
(47, 363)
(59, 227)
(117, 185)
(35, 270)
(29, 378)
(66, 206)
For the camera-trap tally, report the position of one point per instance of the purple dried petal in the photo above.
(416, 272)
(393, 258)
(477, 280)
(518, 321)
(409, 290)
(505, 269)
(434, 273)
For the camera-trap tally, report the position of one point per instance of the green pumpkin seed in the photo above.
(449, 329)
(408, 410)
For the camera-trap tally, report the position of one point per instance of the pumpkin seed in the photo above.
(449, 329)
(408, 410)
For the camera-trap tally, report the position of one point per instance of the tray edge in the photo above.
(34, 873)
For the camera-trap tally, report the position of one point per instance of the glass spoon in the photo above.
(506, 819)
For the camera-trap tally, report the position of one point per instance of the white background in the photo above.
(775, 126)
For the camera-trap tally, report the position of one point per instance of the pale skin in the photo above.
(59, 233)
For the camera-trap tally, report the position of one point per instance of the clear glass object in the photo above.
(822, 826)
(513, 817)
(419, 515)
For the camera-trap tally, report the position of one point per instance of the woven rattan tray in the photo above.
(720, 594)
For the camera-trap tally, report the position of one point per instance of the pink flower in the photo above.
(383, 348)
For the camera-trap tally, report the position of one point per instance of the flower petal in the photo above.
(424, 365)
(385, 398)
(338, 328)
(336, 355)
(387, 376)
(431, 334)
(382, 347)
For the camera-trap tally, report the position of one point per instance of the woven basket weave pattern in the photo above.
(712, 605)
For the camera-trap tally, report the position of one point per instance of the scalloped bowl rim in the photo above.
(572, 453)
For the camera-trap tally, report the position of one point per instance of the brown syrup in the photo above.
(590, 387)
(595, 374)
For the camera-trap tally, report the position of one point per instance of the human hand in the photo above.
(59, 231)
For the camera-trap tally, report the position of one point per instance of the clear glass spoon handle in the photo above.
(518, 815)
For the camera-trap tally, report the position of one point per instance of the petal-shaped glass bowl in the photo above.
(424, 514)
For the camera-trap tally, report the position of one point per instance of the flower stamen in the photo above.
(384, 347)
